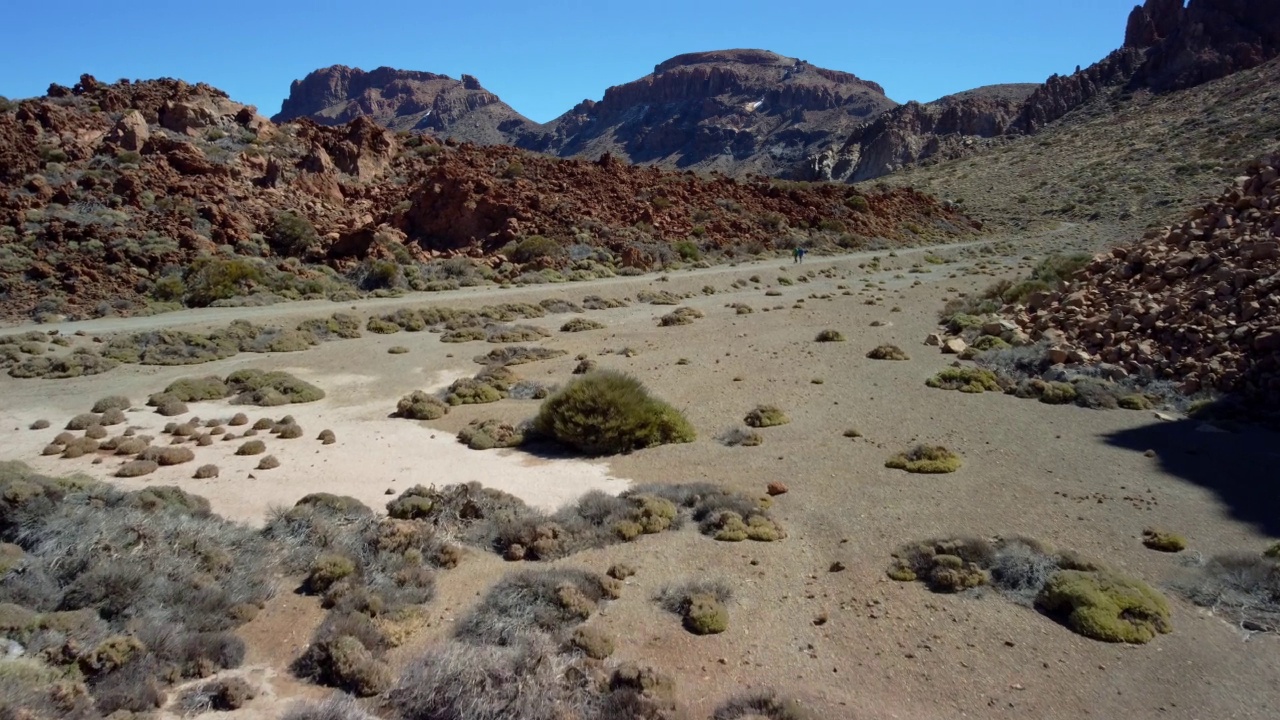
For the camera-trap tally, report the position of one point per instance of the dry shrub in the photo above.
(205, 472)
(488, 434)
(168, 455)
(112, 402)
(326, 437)
(79, 447)
(252, 447)
(737, 436)
(1243, 588)
(264, 424)
(518, 355)
(137, 468)
(96, 432)
(270, 389)
(238, 419)
(888, 352)
(290, 431)
(829, 336)
(763, 416)
(84, 421)
(114, 417)
(338, 706)
(268, 463)
(581, 325)
(172, 408)
(680, 316)
(131, 446)
(535, 602)
(41, 424)
(217, 695)
(762, 704)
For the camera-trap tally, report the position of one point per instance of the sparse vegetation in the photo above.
(700, 604)
(925, 459)
(966, 380)
(829, 336)
(252, 447)
(680, 316)
(489, 434)
(418, 405)
(1163, 541)
(581, 325)
(736, 436)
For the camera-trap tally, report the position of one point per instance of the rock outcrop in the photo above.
(1206, 40)
(405, 100)
(1197, 303)
(114, 208)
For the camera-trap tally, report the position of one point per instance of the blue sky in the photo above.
(544, 57)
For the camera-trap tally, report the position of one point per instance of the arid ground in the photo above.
(845, 640)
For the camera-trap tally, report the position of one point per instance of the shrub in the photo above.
(397, 350)
(534, 247)
(765, 703)
(1243, 588)
(193, 389)
(252, 447)
(290, 431)
(96, 432)
(381, 326)
(471, 391)
(137, 468)
(1106, 606)
(607, 412)
(1163, 541)
(925, 459)
(418, 405)
(551, 602)
(238, 419)
(84, 421)
(80, 447)
(211, 279)
(829, 336)
(268, 463)
(763, 416)
(170, 455)
(112, 402)
(326, 570)
(271, 389)
(205, 472)
(338, 706)
(740, 436)
(581, 325)
(965, 379)
(489, 434)
(584, 366)
(263, 424)
(131, 446)
(518, 355)
(326, 437)
(114, 417)
(292, 233)
(700, 604)
(217, 695)
(593, 642)
(41, 424)
(478, 682)
(887, 352)
(680, 316)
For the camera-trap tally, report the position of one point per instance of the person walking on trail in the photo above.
(795, 255)
(800, 252)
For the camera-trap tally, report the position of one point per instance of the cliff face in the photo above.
(736, 111)
(1167, 47)
(405, 100)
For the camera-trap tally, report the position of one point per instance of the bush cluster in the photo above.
(606, 412)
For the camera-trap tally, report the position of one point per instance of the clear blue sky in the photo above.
(544, 57)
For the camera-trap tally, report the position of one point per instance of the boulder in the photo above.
(954, 346)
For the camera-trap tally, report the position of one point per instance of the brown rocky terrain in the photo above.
(405, 100)
(1167, 47)
(123, 195)
(1195, 303)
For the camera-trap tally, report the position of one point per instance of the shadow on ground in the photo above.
(1242, 468)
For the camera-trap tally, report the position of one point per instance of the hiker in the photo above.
(800, 252)
(795, 255)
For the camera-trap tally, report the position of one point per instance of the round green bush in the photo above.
(607, 412)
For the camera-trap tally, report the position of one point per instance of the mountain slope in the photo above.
(736, 111)
(405, 100)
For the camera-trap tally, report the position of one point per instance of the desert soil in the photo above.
(1072, 477)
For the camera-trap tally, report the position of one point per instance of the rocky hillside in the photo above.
(736, 111)
(1167, 47)
(1197, 303)
(140, 196)
(405, 100)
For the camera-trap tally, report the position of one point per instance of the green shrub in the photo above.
(857, 203)
(292, 234)
(1106, 606)
(965, 379)
(192, 390)
(381, 326)
(211, 279)
(680, 316)
(687, 250)
(1057, 268)
(326, 570)
(925, 459)
(534, 248)
(489, 434)
(1163, 541)
(763, 416)
(829, 336)
(607, 412)
(701, 605)
(271, 388)
(418, 405)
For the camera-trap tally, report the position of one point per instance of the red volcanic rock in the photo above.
(776, 488)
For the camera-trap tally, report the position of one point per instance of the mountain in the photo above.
(405, 100)
(130, 197)
(735, 111)
(1167, 47)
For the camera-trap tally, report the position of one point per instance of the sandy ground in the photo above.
(1072, 477)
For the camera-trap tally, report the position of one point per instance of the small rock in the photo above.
(954, 346)
(836, 566)
(776, 488)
